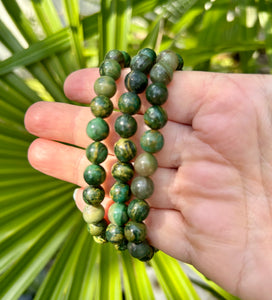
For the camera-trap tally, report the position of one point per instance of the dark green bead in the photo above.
(120, 192)
(142, 63)
(101, 106)
(105, 85)
(136, 82)
(117, 214)
(121, 246)
(135, 231)
(115, 233)
(181, 62)
(94, 175)
(125, 125)
(97, 129)
(99, 228)
(93, 195)
(169, 57)
(152, 141)
(93, 214)
(149, 52)
(138, 210)
(96, 152)
(145, 164)
(155, 117)
(156, 93)
(122, 171)
(149, 255)
(125, 150)
(100, 239)
(116, 55)
(129, 103)
(127, 59)
(142, 187)
(110, 67)
(161, 72)
(142, 251)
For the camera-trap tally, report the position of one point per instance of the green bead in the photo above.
(117, 214)
(115, 233)
(94, 175)
(100, 239)
(145, 164)
(105, 86)
(125, 125)
(101, 106)
(110, 67)
(122, 171)
(181, 62)
(97, 229)
(93, 195)
(127, 59)
(120, 192)
(155, 117)
(161, 72)
(138, 210)
(169, 57)
(97, 129)
(142, 251)
(149, 52)
(116, 55)
(136, 82)
(121, 246)
(129, 103)
(96, 152)
(152, 141)
(135, 231)
(142, 63)
(142, 187)
(156, 93)
(125, 150)
(93, 214)
(149, 254)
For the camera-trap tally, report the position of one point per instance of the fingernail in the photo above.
(74, 194)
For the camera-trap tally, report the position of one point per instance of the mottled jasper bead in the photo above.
(120, 192)
(127, 59)
(117, 214)
(135, 231)
(93, 195)
(122, 171)
(136, 82)
(125, 125)
(129, 103)
(99, 228)
(97, 129)
(149, 52)
(110, 67)
(138, 210)
(121, 246)
(142, 187)
(125, 150)
(169, 57)
(161, 72)
(149, 254)
(96, 152)
(145, 164)
(142, 251)
(155, 117)
(100, 239)
(93, 214)
(152, 141)
(156, 93)
(142, 63)
(105, 85)
(115, 233)
(181, 62)
(116, 55)
(101, 106)
(94, 175)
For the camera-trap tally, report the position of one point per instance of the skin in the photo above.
(212, 204)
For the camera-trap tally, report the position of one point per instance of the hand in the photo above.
(212, 204)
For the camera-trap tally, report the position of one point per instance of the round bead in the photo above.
(125, 150)
(142, 63)
(181, 62)
(101, 106)
(97, 129)
(94, 175)
(149, 52)
(149, 254)
(142, 251)
(110, 67)
(120, 192)
(152, 141)
(155, 117)
(135, 232)
(121, 246)
(105, 85)
(127, 59)
(100, 239)
(96, 152)
(138, 210)
(129, 103)
(142, 187)
(116, 55)
(136, 82)
(93, 195)
(96, 229)
(156, 93)
(169, 57)
(145, 164)
(125, 125)
(118, 214)
(115, 233)
(122, 171)
(93, 214)
(161, 72)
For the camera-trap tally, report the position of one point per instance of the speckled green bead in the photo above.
(101, 106)
(142, 63)
(93, 214)
(93, 195)
(115, 233)
(149, 52)
(122, 171)
(156, 93)
(129, 103)
(105, 85)
(125, 150)
(100, 239)
(152, 141)
(120, 192)
(155, 117)
(149, 255)
(161, 72)
(94, 175)
(142, 251)
(116, 55)
(121, 246)
(138, 210)
(169, 57)
(97, 229)
(136, 82)
(117, 214)
(97, 129)
(125, 125)
(142, 187)
(110, 67)
(135, 231)
(96, 152)
(127, 59)
(181, 62)
(145, 164)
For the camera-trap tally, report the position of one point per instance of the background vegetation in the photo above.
(45, 248)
